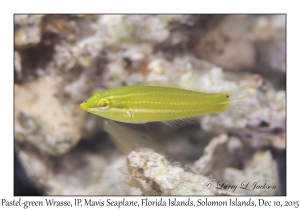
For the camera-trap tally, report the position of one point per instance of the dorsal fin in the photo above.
(183, 84)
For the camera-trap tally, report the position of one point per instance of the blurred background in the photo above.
(61, 60)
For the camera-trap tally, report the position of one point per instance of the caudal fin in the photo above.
(237, 100)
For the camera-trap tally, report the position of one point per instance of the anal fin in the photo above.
(181, 122)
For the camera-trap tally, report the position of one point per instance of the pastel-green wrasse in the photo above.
(166, 101)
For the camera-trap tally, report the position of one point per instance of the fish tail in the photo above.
(237, 100)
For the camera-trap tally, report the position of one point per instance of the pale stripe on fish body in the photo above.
(170, 102)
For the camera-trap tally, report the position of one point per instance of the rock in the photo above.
(157, 176)
(42, 120)
(259, 176)
(28, 30)
(78, 174)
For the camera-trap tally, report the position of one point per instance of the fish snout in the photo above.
(84, 105)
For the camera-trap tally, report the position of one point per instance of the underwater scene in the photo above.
(150, 104)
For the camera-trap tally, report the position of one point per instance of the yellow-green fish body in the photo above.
(155, 101)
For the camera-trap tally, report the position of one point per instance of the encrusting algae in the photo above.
(169, 102)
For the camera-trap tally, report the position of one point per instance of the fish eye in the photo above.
(227, 96)
(103, 104)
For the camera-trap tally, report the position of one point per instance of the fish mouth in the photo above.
(84, 106)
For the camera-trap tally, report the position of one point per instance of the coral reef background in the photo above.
(60, 60)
